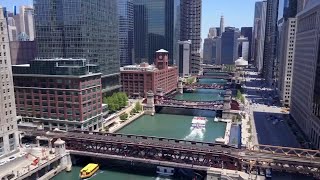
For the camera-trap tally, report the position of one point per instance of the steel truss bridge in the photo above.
(204, 86)
(189, 154)
(228, 77)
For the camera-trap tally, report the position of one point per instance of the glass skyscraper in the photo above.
(229, 46)
(125, 15)
(80, 29)
(156, 26)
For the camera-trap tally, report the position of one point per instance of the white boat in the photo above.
(216, 119)
(165, 171)
(199, 122)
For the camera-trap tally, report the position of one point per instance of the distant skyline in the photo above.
(237, 13)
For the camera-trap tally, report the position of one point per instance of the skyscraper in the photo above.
(259, 33)
(156, 26)
(209, 51)
(125, 15)
(243, 47)
(222, 25)
(305, 99)
(269, 55)
(247, 32)
(27, 21)
(191, 30)
(285, 49)
(229, 45)
(8, 119)
(80, 29)
(184, 58)
(212, 32)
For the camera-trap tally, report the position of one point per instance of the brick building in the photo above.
(59, 93)
(137, 80)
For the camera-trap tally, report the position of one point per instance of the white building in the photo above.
(243, 47)
(184, 58)
(8, 119)
(27, 21)
(286, 60)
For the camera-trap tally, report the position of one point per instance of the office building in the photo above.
(156, 26)
(243, 47)
(125, 16)
(27, 21)
(184, 58)
(286, 60)
(9, 139)
(210, 50)
(59, 93)
(22, 52)
(259, 34)
(247, 32)
(60, 35)
(285, 49)
(12, 28)
(305, 96)
(269, 55)
(137, 80)
(191, 30)
(229, 45)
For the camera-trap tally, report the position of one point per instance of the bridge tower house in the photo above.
(180, 86)
(149, 108)
(227, 100)
(60, 149)
(159, 95)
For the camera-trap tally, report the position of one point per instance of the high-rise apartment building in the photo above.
(269, 55)
(305, 98)
(27, 21)
(229, 45)
(125, 16)
(8, 119)
(80, 29)
(191, 30)
(247, 32)
(156, 26)
(259, 33)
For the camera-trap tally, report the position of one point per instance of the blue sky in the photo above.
(236, 13)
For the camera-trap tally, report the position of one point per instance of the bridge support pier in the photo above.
(149, 108)
(180, 86)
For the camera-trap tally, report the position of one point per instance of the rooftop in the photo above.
(162, 51)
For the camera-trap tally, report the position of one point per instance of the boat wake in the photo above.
(195, 134)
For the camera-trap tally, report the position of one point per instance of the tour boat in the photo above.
(199, 122)
(88, 170)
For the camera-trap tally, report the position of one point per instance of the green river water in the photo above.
(162, 125)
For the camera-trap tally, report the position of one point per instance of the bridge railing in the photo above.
(290, 151)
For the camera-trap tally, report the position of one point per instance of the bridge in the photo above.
(188, 154)
(204, 86)
(191, 105)
(225, 77)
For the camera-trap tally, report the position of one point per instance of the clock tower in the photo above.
(162, 59)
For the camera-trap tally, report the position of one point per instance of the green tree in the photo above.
(238, 94)
(242, 99)
(104, 100)
(138, 107)
(124, 116)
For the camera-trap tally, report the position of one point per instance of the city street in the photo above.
(268, 125)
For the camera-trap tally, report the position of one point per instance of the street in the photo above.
(269, 127)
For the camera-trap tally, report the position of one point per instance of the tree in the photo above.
(124, 116)
(138, 107)
(234, 119)
(239, 95)
(104, 100)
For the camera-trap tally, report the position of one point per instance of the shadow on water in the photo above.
(187, 111)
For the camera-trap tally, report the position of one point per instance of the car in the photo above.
(27, 145)
(2, 163)
(11, 158)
